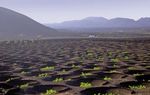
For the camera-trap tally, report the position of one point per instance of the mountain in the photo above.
(100, 22)
(144, 22)
(121, 22)
(87, 22)
(14, 25)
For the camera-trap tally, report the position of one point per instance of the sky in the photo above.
(54, 11)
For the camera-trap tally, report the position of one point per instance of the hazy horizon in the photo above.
(54, 11)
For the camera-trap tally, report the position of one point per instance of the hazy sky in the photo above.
(49, 11)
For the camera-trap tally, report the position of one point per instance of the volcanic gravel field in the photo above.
(75, 67)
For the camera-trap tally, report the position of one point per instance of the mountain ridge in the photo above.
(101, 22)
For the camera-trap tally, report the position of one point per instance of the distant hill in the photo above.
(14, 25)
(100, 22)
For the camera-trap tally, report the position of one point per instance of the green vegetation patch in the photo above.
(58, 80)
(43, 75)
(137, 87)
(24, 86)
(47, 68)
(50, 92)
(107, 78)
(85, 74)
(85, 85)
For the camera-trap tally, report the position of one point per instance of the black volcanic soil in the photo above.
(110, 66)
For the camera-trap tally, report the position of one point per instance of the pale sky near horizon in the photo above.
(50, 11)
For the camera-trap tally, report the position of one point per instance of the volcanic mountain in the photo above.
(14, 25)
